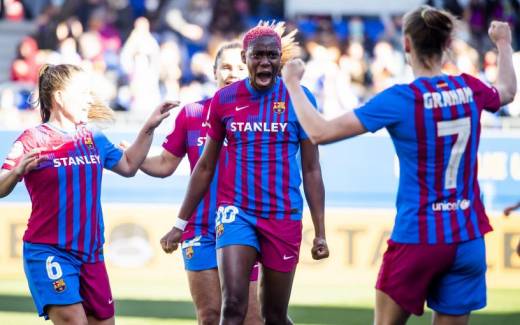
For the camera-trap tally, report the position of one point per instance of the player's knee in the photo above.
(65, 316)
(234, 307)
(209, 316)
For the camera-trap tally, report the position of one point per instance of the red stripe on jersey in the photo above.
(273, 138)
(422, 156)
(467, 170)
(94, 213)
(439, 168)
(69, 214)
(483, 222)
(83, 204)
(245, 169)
(285, 157)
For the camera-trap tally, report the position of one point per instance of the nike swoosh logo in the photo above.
(206, 124)
(241, 108)
(58, 146)
(109, 301)
(285, 258)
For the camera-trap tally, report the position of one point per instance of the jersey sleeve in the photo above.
(22, 145)
(382, 110)
(301, 132)
(486, 97)
(216, 131)
(175, 142)
(110, 154)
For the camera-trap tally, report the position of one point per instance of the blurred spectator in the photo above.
(140, 60)
(25, 67)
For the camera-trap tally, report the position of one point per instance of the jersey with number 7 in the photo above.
(434, 124)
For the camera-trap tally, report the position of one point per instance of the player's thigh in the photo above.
(95, 291)
(443, 319)
(94, 321)
(68, 314)
(53, 277)
(235, 263)
(387, 311)
(462, 288)
(275, 290)
(205, 289)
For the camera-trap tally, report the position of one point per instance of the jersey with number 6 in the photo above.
(434, 124)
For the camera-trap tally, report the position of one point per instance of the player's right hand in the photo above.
(499, 32)
(170, 241)
(29, 162)
(292, 71)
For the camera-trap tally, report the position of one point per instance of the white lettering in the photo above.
(257, 127)
(448, 98)
(74, 161)
(451, 206)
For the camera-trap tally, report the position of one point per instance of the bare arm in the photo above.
(134, 156)
(500, 34)
(200, 178)
(319, 129)
(199, 183)
(162, 165)
(315, 195)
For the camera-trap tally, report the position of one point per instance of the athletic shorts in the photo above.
(199, 254)
(451, 278)
(277, 241)
(57, 277)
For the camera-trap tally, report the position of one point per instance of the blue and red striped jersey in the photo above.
(262, 176)
(65, 189)
(434, 124)
(188, 137)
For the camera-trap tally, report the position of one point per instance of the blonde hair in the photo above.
(52, 78)
(290, 47)
(99, 112)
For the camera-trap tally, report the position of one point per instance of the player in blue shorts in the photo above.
(198, 239)
(436, 252)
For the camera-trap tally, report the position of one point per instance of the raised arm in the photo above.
(318, 129)
(197, 187)
(134, 156)
(315, 195)
(500, 34)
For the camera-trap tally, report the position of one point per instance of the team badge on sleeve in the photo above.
(279, 107)
(59, 285)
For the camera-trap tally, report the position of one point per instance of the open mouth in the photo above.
(264, 78)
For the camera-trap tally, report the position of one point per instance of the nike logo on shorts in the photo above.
(239, 108)
(285, 257)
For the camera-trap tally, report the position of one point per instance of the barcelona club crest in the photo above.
(220, 230)
(59, 285)
(279, 107)
(189, 252)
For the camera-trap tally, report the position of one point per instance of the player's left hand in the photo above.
(159, 114)
(292, 71)
(170, 241)
(319, 250)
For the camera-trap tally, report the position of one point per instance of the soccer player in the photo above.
(61, 162)
(198, 239)
(436, 251)
(259, 203)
